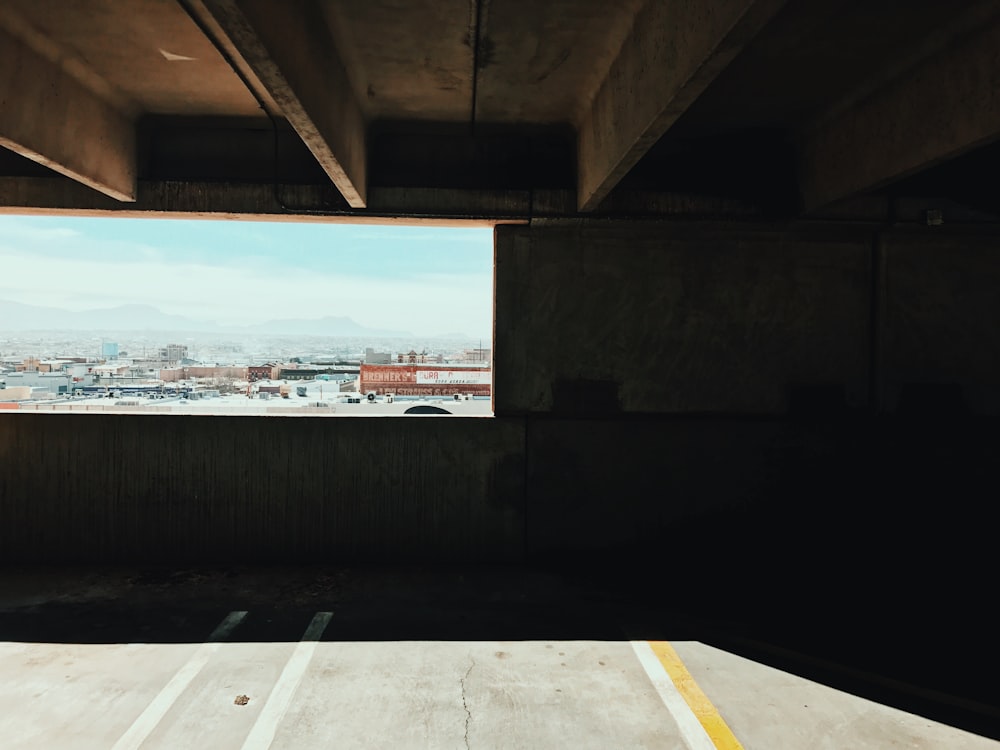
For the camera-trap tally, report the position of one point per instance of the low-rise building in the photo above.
(373, 357)
(15, 393)
(267, 371)
(174, 374)
(426, 380)
(53, 383)
(478, 354)
(412, 358)
(173, 353)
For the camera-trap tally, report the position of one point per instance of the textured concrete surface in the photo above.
(702, 318)
(81, 135)
(841, 84)
(310, 658)
(158, 488)
(616, 487)
(768, 708)
(672, 54)
(897, 131)
(941, 309)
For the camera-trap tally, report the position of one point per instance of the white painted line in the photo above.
(155, 711)
(694, 734)
(262, 733)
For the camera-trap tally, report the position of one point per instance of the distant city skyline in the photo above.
(428, 280)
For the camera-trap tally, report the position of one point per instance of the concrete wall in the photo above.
(742, 449)
(656, 367)
(664, 390)
(676, 318)
(676, 381)
(940, 321)
(258, 489)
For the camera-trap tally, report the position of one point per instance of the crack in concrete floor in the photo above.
(465, 705)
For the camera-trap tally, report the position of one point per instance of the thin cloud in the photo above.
(16, 228)
(251, 295)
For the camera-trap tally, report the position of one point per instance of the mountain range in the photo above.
(15, 316)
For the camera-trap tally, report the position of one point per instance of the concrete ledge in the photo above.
(156, 488)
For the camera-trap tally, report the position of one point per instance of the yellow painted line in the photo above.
(703, 709)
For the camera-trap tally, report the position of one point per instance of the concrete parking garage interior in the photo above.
(746, 374)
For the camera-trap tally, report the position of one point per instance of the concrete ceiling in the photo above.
(542, 62)
(592, 98)
(406, 60)
(823, 54)
(149, 52)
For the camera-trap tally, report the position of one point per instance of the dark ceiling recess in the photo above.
(449, 156)
(756, 165)
(970, 179)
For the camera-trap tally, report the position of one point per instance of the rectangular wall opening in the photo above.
(178, 317)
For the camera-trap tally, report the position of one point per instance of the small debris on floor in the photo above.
(242, 700)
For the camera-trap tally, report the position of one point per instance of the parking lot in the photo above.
(317, 658)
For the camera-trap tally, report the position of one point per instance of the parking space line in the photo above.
(692, 730)
(143, 726)
(262, 733)
(698, 704)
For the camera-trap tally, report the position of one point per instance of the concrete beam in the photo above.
(253, 200)
(290, 52)
(258, 201)
(942, 108)
(51, 117)
(675, 50)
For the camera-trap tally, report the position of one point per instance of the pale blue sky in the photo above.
(428, 280)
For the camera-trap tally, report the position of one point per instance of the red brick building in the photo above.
(426, 380)
(260, 372)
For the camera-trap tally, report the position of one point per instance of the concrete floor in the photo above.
(338, 658)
